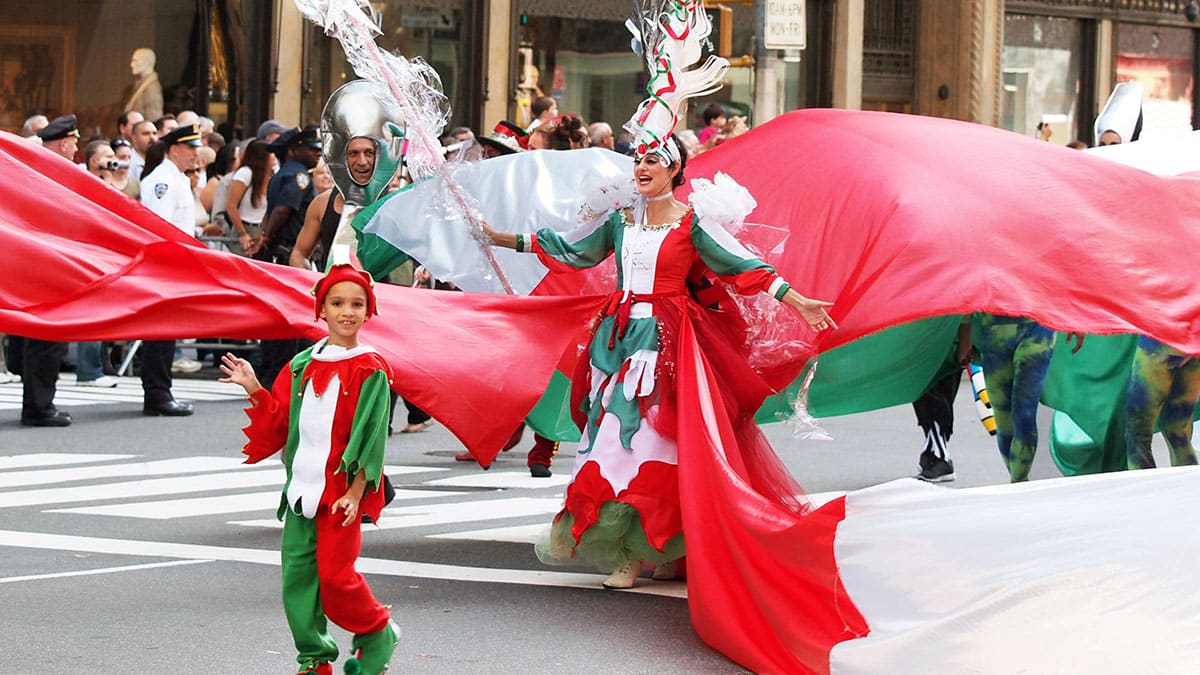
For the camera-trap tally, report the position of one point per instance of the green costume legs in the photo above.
(302, 593)
(1163, 382)
(1016, 356)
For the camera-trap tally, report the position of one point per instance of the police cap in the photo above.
(310, 136)
(187, 134)
(60, 128)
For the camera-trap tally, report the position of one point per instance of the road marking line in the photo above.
(207, 506)
(54, 459)
(199, 482)
(143, 488)
(500, 481)
(395, 568)
(155, 468)
(518, 534)
(103, 570)
(426, 515)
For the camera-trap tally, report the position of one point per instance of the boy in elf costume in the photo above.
(333, 447)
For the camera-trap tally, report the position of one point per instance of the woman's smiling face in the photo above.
(653, 175)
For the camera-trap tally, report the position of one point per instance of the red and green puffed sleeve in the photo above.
(268, 430)
(368, 431)
(733, 262)
(586, 246)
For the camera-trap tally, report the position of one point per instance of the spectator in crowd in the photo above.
(33, 125)
(186, 117)
(543, 109)
(269, 131)
(714, 121)
(565, 132)
(453, 141)
(145, 135)
(123, 151)
(199, 180)
(691, 143)
(214, 140)
(166, 124)
(223, 163)
(322, 177)
(734, 126)
(100, 160)
(624, 144)
(246, 200)
(506, 138)
(601, 135)
(125, 123)
(154, 156)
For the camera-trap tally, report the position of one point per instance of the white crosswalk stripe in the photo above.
(128, 390)
(495, 507)
(120, 486)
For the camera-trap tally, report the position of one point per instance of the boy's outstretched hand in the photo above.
(239, 371)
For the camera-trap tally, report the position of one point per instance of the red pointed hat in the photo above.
(343, 269)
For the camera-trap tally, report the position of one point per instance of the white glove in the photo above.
(639, 380)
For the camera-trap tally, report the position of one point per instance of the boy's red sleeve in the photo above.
(268, 413)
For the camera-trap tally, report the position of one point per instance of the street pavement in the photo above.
(138, 544)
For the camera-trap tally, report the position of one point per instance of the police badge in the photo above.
(160, 189)
(302, 180)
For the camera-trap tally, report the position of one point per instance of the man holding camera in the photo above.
(100, 160)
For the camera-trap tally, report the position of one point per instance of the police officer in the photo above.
(41, 360)
(288, 196)
(167, 191)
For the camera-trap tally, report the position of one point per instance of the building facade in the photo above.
(1012, 64)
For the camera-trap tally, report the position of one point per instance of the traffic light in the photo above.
(721, 18)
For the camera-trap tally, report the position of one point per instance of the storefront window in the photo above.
(1161, 59)
(585, 64)
(73, 57)
(1042, 76)
(443, 32)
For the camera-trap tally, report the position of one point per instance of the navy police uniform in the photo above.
(290, 188)
(41, 360)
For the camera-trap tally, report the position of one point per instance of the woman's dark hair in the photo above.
(258, 158)
(565, 132)
(224, 161)
(683, 154)
(712, 111)
(154, 157)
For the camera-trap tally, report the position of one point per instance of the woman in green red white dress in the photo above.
(622, 505)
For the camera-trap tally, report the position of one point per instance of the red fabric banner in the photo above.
(84, 262)
(901, 217)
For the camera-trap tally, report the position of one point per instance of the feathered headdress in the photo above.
(668, 35)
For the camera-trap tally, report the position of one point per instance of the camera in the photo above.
(112, 165)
